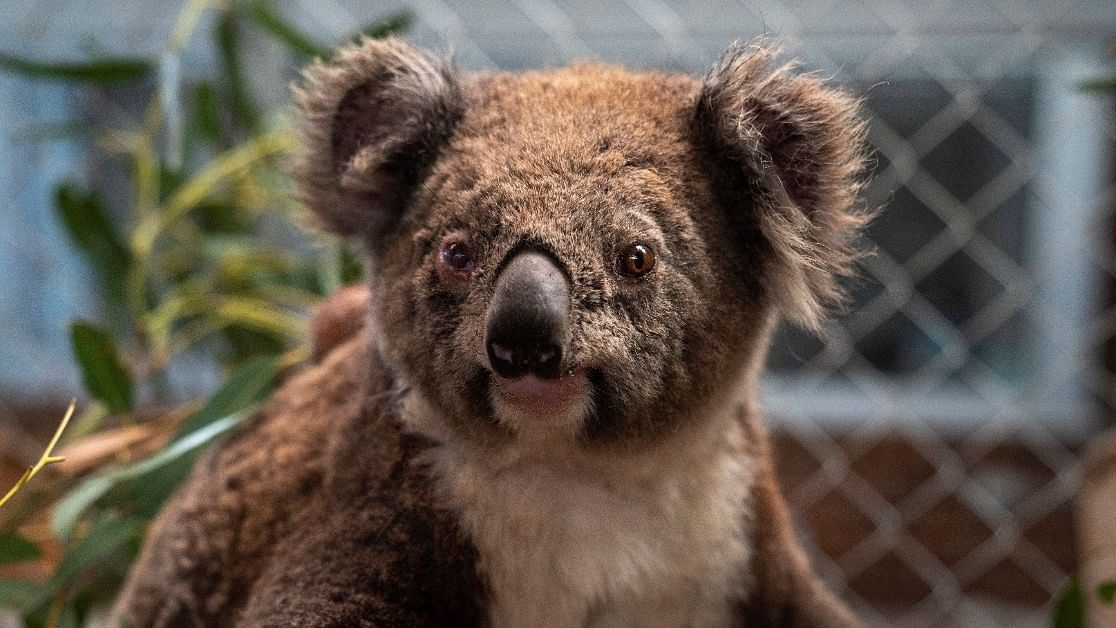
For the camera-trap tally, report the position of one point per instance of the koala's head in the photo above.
(586, 253)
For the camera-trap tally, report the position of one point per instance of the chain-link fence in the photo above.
(929, 442)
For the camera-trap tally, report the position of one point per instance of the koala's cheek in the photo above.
(468, 342)
(600, 340)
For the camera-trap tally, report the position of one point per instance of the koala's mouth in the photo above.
(539, 396)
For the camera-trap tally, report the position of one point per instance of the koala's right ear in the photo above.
(371, 121)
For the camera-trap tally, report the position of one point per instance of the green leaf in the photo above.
(247, 385)
(20, 595)
(15, 549)
(110, 70)
(73, 505)
(390, 25)
(229, 48)
(263, 14)
(224, 409)
(1069, 610)
(68, 618)
(102, 371)
(106, 536)
(207, 117)
(69, 509)
(216, 217)
(104, 539)
(260, 316)
(87, 422)
(170, 179)
(352, 270)
(243, 344)
(1106, 591)
(1098, 85)
(87, 220)
(260, 12)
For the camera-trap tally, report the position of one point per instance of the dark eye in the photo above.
(457, 257)
(636, 260)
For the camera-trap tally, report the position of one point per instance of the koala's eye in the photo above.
(636, 260)
(456, 257)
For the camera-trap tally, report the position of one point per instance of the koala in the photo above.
(541, 409)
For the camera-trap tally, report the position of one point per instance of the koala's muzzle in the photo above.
(528, 324)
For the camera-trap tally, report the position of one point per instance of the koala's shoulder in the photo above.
(285, 451)
(338, 320)
(216, 536)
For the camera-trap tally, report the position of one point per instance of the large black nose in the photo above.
(528, 318)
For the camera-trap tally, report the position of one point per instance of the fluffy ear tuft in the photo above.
(370, 121)
(799, 145)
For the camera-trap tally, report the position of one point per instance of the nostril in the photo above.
(501, 352)
(546, 354)
(506, 361)
(547, 361)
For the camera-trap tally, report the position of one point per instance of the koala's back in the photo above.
(319, 495)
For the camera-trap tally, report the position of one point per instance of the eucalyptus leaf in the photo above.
(109, 70)
(102, 370)
(15, 549)
(390, 25)
(73, 505)
(246, 386)
(228, 45)
(70, 508)
(1106, 591)
(243, 343)
(20, 595)
(87, 422)
(1069, 610)
(207, 116)
(105, 537)
(217, 217)
(262, 13)
(86, 219)
(260, 316)
(1099, 85)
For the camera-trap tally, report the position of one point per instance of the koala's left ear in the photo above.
(796, 146)
(371, 120)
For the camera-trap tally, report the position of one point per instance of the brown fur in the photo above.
(744, 185)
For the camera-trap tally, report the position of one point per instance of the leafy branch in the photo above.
(201, 267)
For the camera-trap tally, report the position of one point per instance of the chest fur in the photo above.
(657, 540)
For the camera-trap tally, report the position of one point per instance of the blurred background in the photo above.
(933, 443)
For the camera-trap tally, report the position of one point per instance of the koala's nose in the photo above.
(528, 319)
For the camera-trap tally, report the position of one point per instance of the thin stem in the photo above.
(45, 459)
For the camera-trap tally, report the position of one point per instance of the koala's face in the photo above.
(559, 270)
(584, 254)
